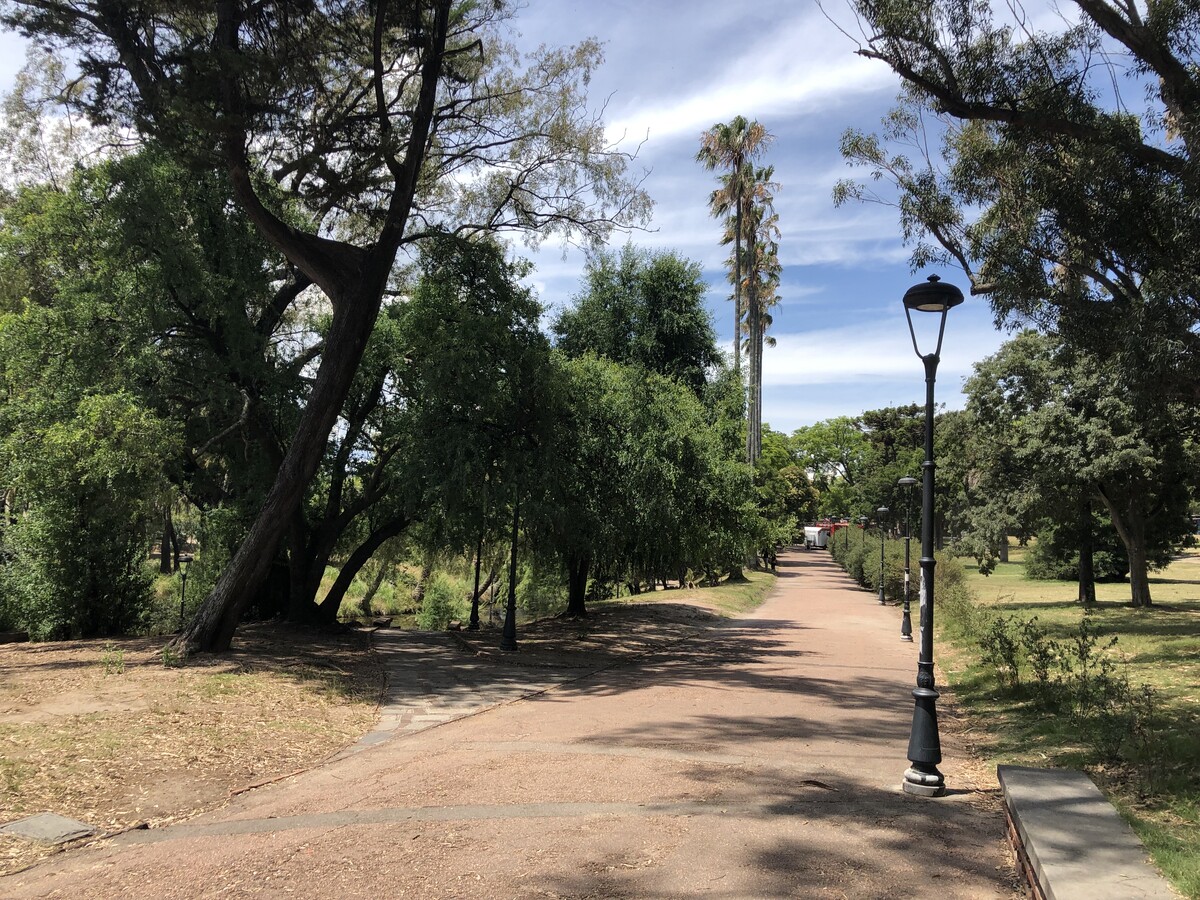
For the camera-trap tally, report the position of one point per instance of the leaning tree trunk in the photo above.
(354, 280)
(364, 604)
(218, 616)
(328, 610)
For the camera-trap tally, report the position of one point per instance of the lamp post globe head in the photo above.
(863, 520)
(882, 511)
(932, 296)
(907, 482)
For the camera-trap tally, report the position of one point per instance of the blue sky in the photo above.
(671, 71)
(674, 69)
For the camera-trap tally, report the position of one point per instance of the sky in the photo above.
(672, 70)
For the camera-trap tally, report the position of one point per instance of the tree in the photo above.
(387, 122)
(732, 147)
(82, 455)
(1078, 435)
(645, 309)
(761, 273)
(833, 453)
(1045, 165)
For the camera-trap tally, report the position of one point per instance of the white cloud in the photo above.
(798, 68)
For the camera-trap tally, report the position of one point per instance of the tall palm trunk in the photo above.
(737, 287)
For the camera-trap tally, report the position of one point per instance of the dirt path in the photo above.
(759, 759)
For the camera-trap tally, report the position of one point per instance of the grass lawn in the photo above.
(1158, 790)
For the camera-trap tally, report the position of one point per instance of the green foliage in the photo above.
(441, 604)
(86, 487)
(1054, 556)
(112, 659)
(1062, 431)
(540, 590)
(643, 309)
(1079, 677)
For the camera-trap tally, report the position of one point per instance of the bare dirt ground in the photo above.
(102, 732)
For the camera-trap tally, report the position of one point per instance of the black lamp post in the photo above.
(863, 520)
(908, 483)
(508, 635)
(881, 512)
(924, 746)
(183, 570)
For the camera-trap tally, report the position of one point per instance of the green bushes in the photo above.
(442, 603)
(1076, 676)
(860, 559)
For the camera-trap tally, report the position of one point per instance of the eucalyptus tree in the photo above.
(731, 148)
(1065, 183)
(387, 122)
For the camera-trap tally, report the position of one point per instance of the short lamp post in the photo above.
(908, 483)
(922, 777)
(882, 514)
(862, 521)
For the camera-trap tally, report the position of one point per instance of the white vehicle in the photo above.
(816, 536)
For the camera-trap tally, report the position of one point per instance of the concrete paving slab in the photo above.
(1077, 845)
(49, 828)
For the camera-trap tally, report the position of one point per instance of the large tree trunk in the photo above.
(577, 573)
(1087, 569)
(1132, 531)
(354, 281)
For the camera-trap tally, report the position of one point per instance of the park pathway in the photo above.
(761, 759)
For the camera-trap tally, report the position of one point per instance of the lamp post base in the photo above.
(906, 625)
(924, 782)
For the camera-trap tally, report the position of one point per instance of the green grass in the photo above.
(1157, 789)
(733, 598)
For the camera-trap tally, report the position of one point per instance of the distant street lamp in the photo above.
(862, 521)
(183, 572)
(508, 635)
(882, 513)
(924, 746)
(908, 483)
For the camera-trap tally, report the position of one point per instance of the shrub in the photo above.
(441, 605)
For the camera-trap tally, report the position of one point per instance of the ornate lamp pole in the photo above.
(924, 746)
(881, 513)
(908, 483)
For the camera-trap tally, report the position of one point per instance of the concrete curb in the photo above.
(1071, 844)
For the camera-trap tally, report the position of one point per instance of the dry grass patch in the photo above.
(101, 731)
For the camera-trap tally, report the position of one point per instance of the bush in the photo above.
(442, 603)
(1054, 556)
(1078, 677)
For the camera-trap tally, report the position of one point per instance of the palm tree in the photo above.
(732, 146)
(756, 274)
